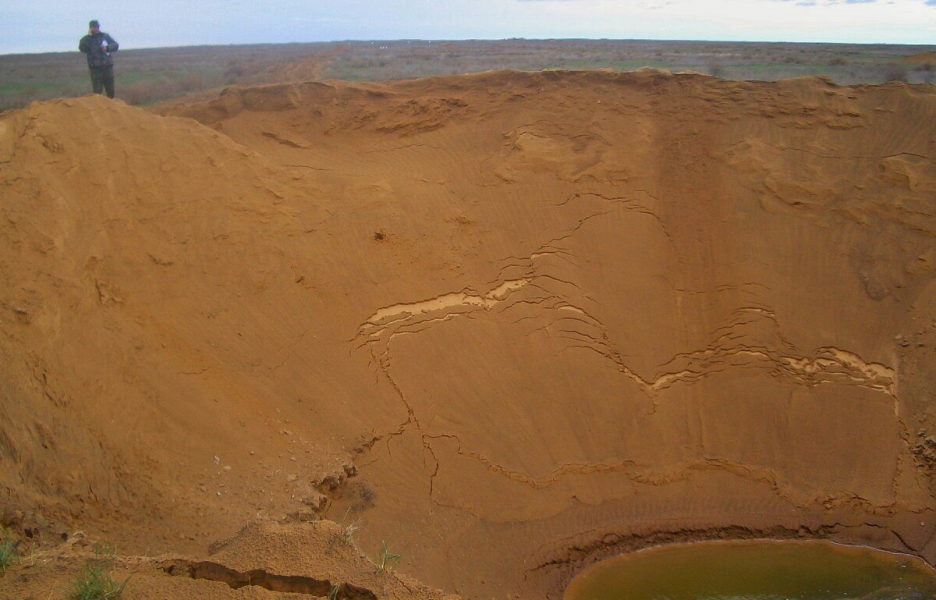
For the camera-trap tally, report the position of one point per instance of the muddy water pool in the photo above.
(762, 570)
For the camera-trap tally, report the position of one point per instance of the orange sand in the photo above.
(509, 322)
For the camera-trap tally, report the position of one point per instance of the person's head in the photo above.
(94, 27)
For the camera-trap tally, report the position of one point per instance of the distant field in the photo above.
(147, 76)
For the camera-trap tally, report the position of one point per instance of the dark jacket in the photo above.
(93, 47)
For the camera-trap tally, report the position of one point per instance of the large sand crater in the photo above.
(510, 322)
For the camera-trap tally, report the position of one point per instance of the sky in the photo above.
(57, 25)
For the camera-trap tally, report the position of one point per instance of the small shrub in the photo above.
(346, 536)
(8, 554)
(347, 533)
(386, 560)
(11, 101)
(95, 584)
(103, 549)
(192, 82)
(138, 92)
(236, 70)
(895, 72)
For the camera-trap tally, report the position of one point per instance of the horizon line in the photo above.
(493, 40)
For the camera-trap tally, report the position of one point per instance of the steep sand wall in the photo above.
(511, 321)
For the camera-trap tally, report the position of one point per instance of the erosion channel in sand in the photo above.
(760, 570)
(508, 323)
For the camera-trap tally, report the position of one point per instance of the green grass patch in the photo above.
(386, 560)
(94, 584)
(8, 553)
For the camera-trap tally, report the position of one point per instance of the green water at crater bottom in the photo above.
(764, 570)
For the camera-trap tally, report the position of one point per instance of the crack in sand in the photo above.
(728, 350)
(536, 483)
(291, 584)
(448, 301)
(638, 473)
(828, 156)
(289, 351)
(406, 147)
(827, 365)
(732, 346)
(199, 372)
(627, 202)
(450, 305)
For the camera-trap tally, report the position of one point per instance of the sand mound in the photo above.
(511, 322)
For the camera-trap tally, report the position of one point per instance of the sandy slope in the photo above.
(512, 322)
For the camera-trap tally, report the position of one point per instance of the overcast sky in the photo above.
(56, 25)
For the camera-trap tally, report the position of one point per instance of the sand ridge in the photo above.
(512, 322)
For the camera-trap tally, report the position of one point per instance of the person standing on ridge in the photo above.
(98, 46)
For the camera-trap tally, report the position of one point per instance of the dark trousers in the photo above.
(102, 79)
